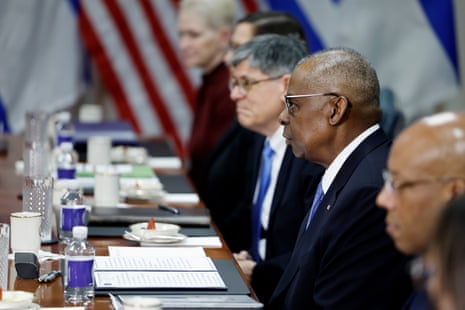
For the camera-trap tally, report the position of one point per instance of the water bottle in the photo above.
(79, 265)
(63, 128)
(72, 210)
(65, 159)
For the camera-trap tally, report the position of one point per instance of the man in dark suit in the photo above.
(343, 258)
(260, 70)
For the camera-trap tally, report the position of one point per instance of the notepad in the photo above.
(152, 272)
(162, 280)
(154, 263)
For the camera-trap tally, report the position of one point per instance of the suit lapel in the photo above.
(369, 144)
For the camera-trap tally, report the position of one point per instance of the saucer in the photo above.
(140, 229)
(157, 239)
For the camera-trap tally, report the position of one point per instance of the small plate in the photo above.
(166, 229)
(160, 239)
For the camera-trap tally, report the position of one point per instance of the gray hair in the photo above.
(272, 54)
(348, 70)
(217, 13)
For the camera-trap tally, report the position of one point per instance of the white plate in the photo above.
(160, 239)
(140, 229)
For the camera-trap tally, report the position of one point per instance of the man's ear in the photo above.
(339, 107)
(285, 83)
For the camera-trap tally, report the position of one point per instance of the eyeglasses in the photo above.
(245, 86)
(291, 107)
(394, 185)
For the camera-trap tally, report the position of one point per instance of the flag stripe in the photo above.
(314, 41)
(152, 92)
(104, 65)
(4, 125)
(250, 5)
(169, 53)
(441, 17)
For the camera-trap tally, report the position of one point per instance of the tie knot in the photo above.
(267, 150)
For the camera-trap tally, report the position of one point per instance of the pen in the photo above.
(169, 209)
(48, 277)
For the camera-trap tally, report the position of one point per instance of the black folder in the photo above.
(136, 214)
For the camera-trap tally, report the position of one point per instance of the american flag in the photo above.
(126, 41)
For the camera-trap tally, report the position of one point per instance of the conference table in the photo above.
(51, 294)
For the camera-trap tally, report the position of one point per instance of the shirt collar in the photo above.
(337, 163)
(277, 141)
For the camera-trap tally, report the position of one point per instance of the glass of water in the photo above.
(38, 197)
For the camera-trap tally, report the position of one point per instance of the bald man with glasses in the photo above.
(343, 258)
(425, 171)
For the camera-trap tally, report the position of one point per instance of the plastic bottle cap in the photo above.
(64, 116)
(66, 146)
(80, 232)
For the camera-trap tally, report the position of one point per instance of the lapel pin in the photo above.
(328, 207)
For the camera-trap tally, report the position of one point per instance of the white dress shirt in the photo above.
(335, 166)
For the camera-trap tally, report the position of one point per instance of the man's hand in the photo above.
(245, 263)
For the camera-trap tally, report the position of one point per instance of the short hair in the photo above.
(273, 54)
(349, 70)
(217, 13)
(278, 22)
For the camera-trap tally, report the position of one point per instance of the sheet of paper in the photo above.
(158, 251)
(159, 279)
(154, 263)
(205, 242)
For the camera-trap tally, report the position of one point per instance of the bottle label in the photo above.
(66, 173)
(64, 136)
(72, 216)
(79, 271)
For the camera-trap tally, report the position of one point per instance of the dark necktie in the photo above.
(316, 202)
(265, 177)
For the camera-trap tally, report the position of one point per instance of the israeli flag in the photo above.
(41, 58)
(411, 43)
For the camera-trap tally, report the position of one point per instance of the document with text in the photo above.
(159, 279)
(146, 272)
(154, 263)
